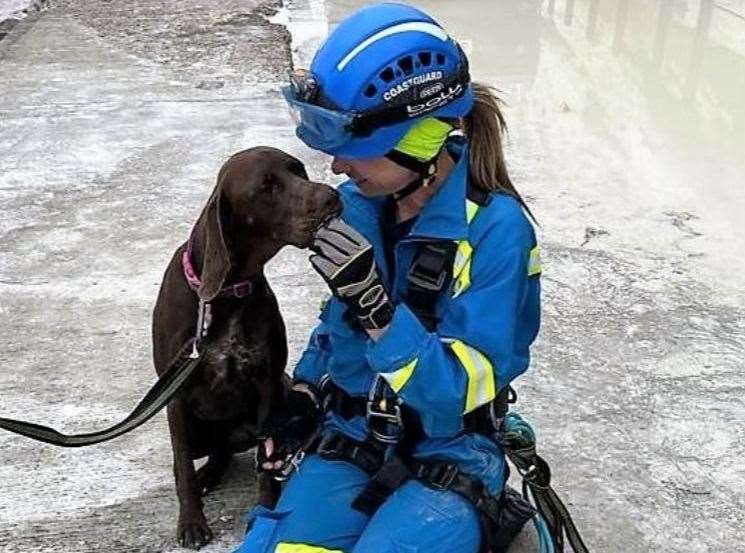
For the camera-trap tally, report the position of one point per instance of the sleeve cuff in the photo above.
(402, 342)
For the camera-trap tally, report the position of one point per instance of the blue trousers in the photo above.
(314, 515)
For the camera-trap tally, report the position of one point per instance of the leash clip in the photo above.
(204, 319)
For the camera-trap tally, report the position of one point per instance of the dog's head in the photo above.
(263, 199)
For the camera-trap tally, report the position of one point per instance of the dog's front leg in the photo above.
(193, 530)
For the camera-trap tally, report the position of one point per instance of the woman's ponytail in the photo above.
(484, 127)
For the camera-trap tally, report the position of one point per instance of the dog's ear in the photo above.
(216, 265)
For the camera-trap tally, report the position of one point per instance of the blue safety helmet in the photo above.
(381, 69)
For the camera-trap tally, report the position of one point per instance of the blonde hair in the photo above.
(485, 126)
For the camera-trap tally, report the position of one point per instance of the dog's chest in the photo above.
(235, 368)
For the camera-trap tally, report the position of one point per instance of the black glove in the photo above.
(345, 261)
(290, 427)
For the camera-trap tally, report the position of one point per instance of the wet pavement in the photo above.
(627, 121)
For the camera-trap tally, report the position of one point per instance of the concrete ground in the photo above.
(627, 122)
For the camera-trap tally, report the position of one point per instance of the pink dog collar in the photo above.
(238, 290)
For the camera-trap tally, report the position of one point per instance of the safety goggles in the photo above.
(324, 128)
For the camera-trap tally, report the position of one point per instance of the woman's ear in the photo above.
(216, 263)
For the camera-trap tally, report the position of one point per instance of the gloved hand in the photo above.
(344, 258)
(287, 430)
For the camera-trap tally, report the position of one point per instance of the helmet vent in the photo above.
(425, 58)
(440, 59)
(387, 74)
(371, 90)
(407, 65)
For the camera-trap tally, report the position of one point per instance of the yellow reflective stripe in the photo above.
(481, 386)
(462, 256)
(462, 263)
(471, 209)
(398, 378)
(463, 280)
(534, 263)
(284, 547)
(462, 267)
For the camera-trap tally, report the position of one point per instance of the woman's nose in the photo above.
(339, 166)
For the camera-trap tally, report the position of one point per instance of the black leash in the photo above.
(159, 395)
(178, 371)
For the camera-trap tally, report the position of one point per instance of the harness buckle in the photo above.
(384, 413)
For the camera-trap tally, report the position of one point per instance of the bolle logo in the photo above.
(391, 93)
(430, 90)
(433, 103)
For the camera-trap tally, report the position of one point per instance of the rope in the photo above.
(519, 442)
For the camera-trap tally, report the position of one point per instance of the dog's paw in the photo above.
(193, 532)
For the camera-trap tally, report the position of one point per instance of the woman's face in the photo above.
(376, 177)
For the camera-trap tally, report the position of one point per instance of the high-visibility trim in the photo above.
(471, 209)
(462, 263)
(398, 378)
(462, 257)
(284, 547)
(534, 262)
(462, 268)
(481, 385)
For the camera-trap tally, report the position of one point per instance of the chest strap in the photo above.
(428, 278)
(431, 270)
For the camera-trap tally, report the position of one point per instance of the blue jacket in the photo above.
(488, 319)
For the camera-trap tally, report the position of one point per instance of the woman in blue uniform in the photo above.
(434, 273)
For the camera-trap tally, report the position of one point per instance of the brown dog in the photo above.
(262, 202)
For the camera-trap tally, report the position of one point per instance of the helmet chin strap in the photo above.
(427, 171)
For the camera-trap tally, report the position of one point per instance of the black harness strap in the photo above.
(367, 455)
(427, 171)
(429, 277)
(431, 271)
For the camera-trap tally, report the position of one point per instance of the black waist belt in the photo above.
(484, 420)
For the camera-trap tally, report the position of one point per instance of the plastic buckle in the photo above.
(443, 475)
(429, 270)
(427, 282)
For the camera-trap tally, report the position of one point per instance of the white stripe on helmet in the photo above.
(429, 28)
